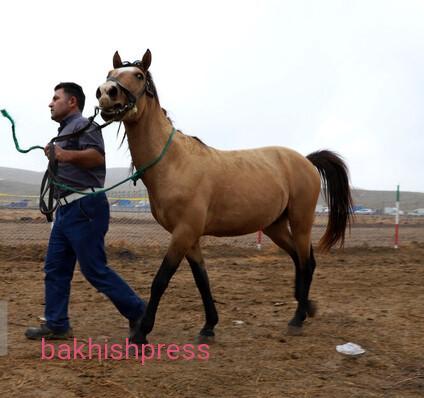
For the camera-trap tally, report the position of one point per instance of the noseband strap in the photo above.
(132, 99)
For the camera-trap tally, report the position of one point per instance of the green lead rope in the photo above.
(134, 177)
(5, 113)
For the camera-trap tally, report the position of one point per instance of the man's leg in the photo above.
(59, 268)
(87, 240)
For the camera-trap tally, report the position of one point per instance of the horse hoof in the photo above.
(138, 340)
(312, 308)
(202, 339)
(294, 330)
(137, 350)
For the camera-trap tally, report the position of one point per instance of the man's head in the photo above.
(68, 98)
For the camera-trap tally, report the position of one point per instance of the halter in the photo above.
(132, 99)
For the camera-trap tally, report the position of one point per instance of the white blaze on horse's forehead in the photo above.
(126, 70)
(105, 86)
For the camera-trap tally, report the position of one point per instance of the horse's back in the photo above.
(281, 167)
(250, 189)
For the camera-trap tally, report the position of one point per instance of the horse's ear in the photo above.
(147, 60)
(117, 63)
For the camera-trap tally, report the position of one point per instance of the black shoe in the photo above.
(34, 333)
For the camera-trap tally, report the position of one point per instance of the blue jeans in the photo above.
(78, 234)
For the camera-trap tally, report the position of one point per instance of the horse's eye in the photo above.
(140, 76)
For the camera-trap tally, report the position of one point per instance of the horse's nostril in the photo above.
(98, 93)
(113, 92)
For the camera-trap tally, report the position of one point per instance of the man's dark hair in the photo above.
(74, 90)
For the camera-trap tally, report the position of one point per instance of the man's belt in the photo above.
(66, 200)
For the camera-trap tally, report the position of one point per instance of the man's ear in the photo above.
(72, 100)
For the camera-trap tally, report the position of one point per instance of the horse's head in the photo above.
(123, 95)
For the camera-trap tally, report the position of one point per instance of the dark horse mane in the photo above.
(152, 86)
(150, 82)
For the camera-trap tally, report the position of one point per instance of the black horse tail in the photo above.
(335, 181)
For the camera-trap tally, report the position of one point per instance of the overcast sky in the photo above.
(342, 75)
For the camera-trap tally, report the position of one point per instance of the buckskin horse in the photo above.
(197, 190)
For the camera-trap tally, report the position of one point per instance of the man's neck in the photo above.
(68, 118)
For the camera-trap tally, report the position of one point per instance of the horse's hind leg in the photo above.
(195, 259)
(279, 233)
(301, 228)
(303, 280)
(281, 236)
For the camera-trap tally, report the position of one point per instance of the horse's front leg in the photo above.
(181, 241)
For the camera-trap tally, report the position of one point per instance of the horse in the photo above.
(197, 190)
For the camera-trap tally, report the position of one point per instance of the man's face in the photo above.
(61, 105)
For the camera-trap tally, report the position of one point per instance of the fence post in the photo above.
(259, 240)
(397, 218)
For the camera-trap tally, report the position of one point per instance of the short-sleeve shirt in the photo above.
(70, 174)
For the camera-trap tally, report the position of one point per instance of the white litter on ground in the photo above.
(350, 349)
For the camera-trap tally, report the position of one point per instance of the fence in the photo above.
(133, 224)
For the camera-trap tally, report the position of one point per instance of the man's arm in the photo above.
(86, 158)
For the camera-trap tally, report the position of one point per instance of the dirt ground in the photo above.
(368, 293)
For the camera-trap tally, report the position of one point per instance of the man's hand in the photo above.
(61, 155)
(86, 158)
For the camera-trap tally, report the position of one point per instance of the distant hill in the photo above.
(19, 182)
(24, 182)
(381, 199)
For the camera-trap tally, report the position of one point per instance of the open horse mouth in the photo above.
(115, 112)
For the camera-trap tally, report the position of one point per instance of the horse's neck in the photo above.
(146, 141)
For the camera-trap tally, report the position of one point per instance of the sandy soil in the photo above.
(368, 293)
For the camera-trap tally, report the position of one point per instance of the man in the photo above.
(81, 221)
